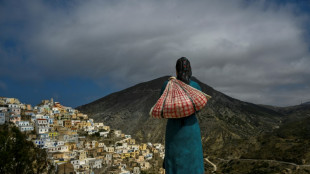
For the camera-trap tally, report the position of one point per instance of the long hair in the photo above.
(184, 70)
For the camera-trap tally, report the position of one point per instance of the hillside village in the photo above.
(77, 144)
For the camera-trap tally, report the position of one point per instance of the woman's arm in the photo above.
(197, 86)
(163, 87)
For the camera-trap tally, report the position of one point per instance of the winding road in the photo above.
(282, 162)
(214, 166)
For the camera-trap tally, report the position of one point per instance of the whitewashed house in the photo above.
(136, 170)
(60, 123)
(74, 122)
(58, 149)
(108, 158)
(42, 130)
(70, 110)
(94, 163)
(127, 136)
(39, 143)
(77, 163)
(24, 126)
(117, 133)
(144, 165)
(148, 156)
(22, 123)
(101, 144)
(14, 108)
(124, 172)
(2, 118)
(72, 154)
(104, 134)
(134, 147)
(46, 117)
(110, 149)
(55, 110)
(44, 136)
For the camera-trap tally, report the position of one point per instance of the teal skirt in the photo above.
(183, 148)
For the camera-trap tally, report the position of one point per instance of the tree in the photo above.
(19, 155)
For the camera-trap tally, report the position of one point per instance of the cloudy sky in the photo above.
(77, 51)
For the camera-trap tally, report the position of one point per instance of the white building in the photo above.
(104, 134)
(41, 122)
(55, 110)
(136, 170)
(24, 126)
(117, 133)
(22, 123)
(39, 143)
(42, 130)
(44, 136)
(148, 156)
(109, 149)
(45, 117)
(125, 172)
(2, 118)
(95, 163)
(70, 110)
(13, 106)
(77, 163)
(108, 158)
(101, 144)
(134, 147)
(127, 136)
(58, 149)
(14, 110)
(144, 165)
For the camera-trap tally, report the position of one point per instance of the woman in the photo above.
(183, 148)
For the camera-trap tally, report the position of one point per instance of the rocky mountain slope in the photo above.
(225, 122)
(285, 150)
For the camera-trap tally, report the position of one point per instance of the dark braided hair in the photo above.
(184, 70)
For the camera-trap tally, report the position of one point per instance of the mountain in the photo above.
(225, 122)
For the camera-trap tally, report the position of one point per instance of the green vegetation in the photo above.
(19, 155)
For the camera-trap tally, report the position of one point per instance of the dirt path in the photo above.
(282, 162)
(214, 166)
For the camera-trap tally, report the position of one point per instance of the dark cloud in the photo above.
(247, 50)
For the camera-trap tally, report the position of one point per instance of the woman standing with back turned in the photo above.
(183, 148)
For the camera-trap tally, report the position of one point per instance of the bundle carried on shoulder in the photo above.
(179, 100)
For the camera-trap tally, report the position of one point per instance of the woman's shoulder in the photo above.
(191, 82)
(194, 84)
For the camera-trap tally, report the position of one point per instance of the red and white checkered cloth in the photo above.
(178, 100)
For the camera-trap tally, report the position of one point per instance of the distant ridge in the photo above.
(307, 103)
